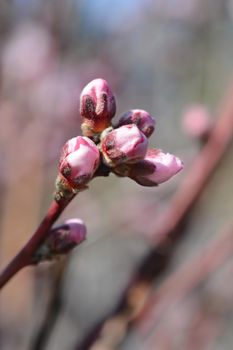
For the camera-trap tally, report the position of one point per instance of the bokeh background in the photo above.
(167, 57)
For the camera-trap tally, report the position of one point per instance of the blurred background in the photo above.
(173, 58)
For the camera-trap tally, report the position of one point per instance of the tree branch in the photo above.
(23, 258)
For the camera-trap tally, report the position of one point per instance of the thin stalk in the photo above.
(24, 256)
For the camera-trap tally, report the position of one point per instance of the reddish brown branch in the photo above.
(182, 282)
(187, 278)
(23, 258)
(199, 173)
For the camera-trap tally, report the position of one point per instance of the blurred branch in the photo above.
(198, 175)
(204, 331)
(188, 277)
(53, 308)
(177, 286)
(168, 231)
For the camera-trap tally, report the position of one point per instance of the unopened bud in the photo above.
(197, 122)
(61, 240)
(144, 121)
(79, 160)
(97, 107)
(166, 166)
(126, 144)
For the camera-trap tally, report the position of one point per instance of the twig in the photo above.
(23, 258)
(198, 175)
(53, 308)
(204, 330)
(176, 287)
(188, 277)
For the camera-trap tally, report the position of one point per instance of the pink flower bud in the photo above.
(97, 107)
(126, 144)
(64, 238)
(166, 166)
(79, 160)
(197, 122)
(144, 121)
(77, 230)
(61, 240)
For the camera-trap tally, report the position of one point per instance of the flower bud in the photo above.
(97, 107)
(77, 229)
(79, 160)
(126, 144)
(166, 166)
(144, 121)
(197, 122)
(61, 240)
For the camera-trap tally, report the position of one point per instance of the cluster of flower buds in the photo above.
(61, 240)
(121, 147)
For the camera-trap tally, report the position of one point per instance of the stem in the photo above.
(23, 258)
